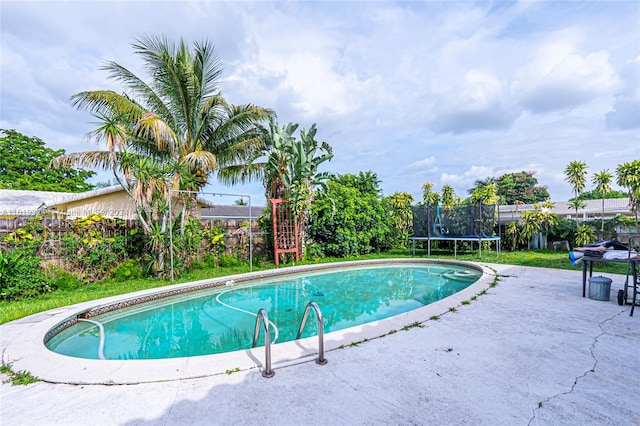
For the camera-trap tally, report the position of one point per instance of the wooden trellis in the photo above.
(285, 229)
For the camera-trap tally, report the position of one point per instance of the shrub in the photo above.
(61, 279)
(226, 261)
(347, 220)
(584, 235)
(127, 270)
(21, 276)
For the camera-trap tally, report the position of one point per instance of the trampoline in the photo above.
(466, 223)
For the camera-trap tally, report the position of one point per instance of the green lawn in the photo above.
(10, 311)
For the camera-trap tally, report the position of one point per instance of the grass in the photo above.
(17, 378)
(10, 311)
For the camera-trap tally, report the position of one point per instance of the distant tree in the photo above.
(484, 194)
(104, 184)
(402, 215)
(429, 196)
(241, 202)
(24, 164)
(448, 197)
(365, 182)
(629, 177)
(577, 204)
(576, 174)
(595, 195)
(520, 186)
(602, 181)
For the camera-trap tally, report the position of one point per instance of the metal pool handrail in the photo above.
(321, 359)
(262, 315)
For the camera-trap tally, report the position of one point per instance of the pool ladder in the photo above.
(263, 318)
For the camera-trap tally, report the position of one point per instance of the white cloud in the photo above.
(421, 164)
(477, 102)
(561, 77)
(467, 178)
(483, 87)
(625, 112)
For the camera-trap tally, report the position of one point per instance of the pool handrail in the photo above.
(321, 359)
(262, 315)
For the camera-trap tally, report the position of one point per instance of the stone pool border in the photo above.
(26, 350)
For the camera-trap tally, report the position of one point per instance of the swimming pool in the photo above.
(222, 319)
(25, 339)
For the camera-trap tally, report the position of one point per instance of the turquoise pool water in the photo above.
(222, 319)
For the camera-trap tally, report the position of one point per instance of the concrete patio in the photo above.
(532, 351)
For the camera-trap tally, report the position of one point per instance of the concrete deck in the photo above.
(531, 351)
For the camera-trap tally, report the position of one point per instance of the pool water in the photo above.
(223, 319)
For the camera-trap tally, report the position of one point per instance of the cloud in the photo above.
(625, 113)
(304, 61)
(560, 77)
(482, 87)
(478, 102)
(421, 164)
(467, 178)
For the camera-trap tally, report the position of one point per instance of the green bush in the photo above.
(21, 276)
(127, 270)
(585, 235)
(61, 279)
(314, 251)
(226, 261)
(349, 218)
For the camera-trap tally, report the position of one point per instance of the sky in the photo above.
(442, 92)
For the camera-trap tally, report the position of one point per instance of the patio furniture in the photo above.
(630, 292)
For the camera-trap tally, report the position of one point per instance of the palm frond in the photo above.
(89, 159)
(152, 127)
(201, 160)
(241, 173)
(139, 88)
(107, 103)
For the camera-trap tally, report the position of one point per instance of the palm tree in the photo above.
(429, 196)
(448, 197)
(402, 215)
(170, 133)
(577, 204)
(530, 225)
(602, 181)
(576, 174)
(629, 177)
(270, 164)
(178, 119)
(484, 194)
(304, 176)
(288, 167)
(514, 236)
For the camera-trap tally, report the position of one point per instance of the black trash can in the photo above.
(599, 288)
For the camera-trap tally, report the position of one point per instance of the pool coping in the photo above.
(25, 350)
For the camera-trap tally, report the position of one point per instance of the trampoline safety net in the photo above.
(459, 221)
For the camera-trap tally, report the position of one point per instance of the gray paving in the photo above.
(530, 352)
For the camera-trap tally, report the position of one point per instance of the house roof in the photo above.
(592, 208)
(24, 203)
(231, 212)
(66, 197)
